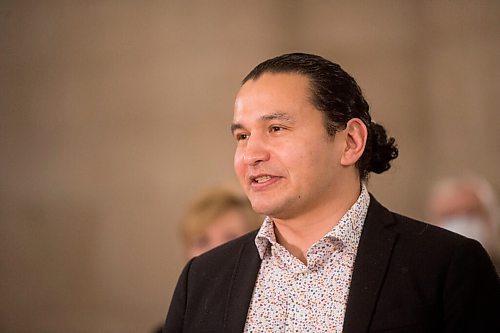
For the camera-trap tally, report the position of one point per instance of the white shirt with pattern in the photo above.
(290, 296)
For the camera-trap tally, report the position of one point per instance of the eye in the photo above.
(241, 136)
(276, 128)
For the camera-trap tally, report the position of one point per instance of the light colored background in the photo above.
(115, 113)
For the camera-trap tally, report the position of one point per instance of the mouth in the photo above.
(263, 180)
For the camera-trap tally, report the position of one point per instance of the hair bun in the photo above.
(383, 149)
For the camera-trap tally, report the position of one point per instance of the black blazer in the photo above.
(408, 277)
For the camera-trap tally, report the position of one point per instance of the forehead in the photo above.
(273, 93)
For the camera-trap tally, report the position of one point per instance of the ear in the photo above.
(356, 135)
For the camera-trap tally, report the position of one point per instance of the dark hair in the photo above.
(338, 96)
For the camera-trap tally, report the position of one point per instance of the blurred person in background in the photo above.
(467, 205)
(216, 217)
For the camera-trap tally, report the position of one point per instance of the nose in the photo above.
(255, 151)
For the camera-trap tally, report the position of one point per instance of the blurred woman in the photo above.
(216, 217)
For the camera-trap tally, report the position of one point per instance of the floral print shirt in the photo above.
(290, 296)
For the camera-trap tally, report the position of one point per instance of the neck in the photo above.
(299, 233)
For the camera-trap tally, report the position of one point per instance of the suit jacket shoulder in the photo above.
(413, 276)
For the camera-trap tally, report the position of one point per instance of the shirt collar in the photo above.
(347, 230)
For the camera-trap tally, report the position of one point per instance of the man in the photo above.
(328, 257)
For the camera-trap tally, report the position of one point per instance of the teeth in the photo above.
(262, 179)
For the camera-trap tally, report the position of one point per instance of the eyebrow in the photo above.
(235, 126)
(277, 115)
(272, 116)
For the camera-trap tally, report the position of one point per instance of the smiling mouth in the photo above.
(261, 179)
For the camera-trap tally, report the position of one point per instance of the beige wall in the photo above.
(113, 114)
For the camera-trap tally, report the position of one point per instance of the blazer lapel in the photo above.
(241, 289)
(372, 259)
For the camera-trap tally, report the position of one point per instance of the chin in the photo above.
(260, 210)
(261, 207)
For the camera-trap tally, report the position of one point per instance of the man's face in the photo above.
(284, 159)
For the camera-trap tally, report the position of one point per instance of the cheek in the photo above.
(298, 157)
(310, 164)
(238, 163)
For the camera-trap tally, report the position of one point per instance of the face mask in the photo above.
(470, 226)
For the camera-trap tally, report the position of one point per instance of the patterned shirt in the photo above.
(290, 296)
